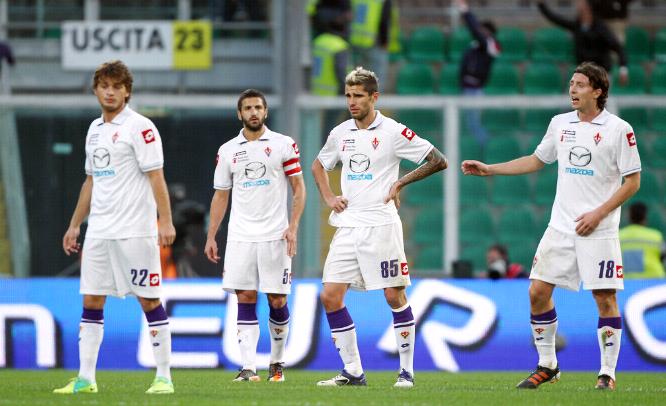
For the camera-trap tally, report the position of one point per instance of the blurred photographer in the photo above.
(499, 266)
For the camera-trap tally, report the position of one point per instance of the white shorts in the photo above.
(367, 258)
(565, 261)
(261, 266)
(121, 267)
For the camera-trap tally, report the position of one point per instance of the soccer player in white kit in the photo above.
(122, 194)
(594, 150)
(367, 251)
(255, 168)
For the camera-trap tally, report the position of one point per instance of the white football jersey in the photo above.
(256, 172)
(370, 165)
(118, 154)
(592, 158)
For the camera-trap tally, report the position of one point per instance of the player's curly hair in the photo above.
(363, 77)
(598, 80)
(251, 93)
(117, 71)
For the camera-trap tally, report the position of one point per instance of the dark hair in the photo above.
(490, 26)
(598, 80)
(501, 249)
(251, 93)
(117, 71)
(637, 213)
(363, 77)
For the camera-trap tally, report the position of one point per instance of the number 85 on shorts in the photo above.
(391, 269)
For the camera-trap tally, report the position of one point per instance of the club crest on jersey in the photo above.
(114, 138)
(539, 330)
(597, 139)
(148, 136)
(631, 139)
(404, 334)
(153, 332)
(407, 133)
(268, 151)
(375, 143)
(154, 279)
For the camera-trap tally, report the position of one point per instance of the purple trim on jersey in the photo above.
(544, 318)
(157, 314)
(247, 312)
(339, 319)
(403, 316)
(279, 316)
(614, 322)
(91, 315)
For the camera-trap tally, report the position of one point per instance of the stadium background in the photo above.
(46, 107)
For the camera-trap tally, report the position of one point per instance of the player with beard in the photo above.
(255, 168)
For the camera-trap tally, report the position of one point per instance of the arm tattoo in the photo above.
(435, 163)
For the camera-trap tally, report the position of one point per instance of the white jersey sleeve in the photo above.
(408, 145)
(222, 178)
(147, 145)
(88, 166)
(628, 160)
(546, 151)
(291, 156)
(329, 156)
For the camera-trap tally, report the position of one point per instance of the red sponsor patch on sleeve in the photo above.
(148, 136)
(407, 133)
(295, 147)
(631, 139)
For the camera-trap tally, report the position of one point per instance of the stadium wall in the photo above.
(463, 325)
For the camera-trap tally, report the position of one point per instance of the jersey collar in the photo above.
(267, 135)
(120, 118)
(600, 119)
(351, 124)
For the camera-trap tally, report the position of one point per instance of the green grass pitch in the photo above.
(193, 388)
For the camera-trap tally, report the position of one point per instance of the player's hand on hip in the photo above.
(166, 234)
(476, 168)
(292, 241)
(69, 243)
(338, 203)
(394, 194)
(588, 222)
(211, 251)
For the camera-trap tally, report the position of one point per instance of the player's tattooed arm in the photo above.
(435, 162)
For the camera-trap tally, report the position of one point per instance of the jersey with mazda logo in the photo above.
(256, 172)
(370, 165)
(118, 153)
(592, 158)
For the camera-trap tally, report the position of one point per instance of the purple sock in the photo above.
(157, 317)
(247, 314)
(403, 318)
(548, 317)
(340, 320)
(614, 322)
(92, 316)
(279, 316)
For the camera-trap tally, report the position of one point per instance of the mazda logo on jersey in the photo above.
(579, 156)
(359, 163)
(101, 158)
(255, 170)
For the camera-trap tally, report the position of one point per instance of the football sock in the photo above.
(609, 335)
(248, 334)
(544, 329)
(404, 328)
(91, 332)
(278, 324)
(160, 338)
(343, 333)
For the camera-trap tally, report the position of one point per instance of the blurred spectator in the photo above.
(323, 13)
(643, 248)
(499, 266)
(6, 53)
(330, 54)
(593, 40)
(374, 28)
(614, 13)
(244, 10)
(475, 66)
(188, 219)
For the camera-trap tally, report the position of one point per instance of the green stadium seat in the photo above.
(637, 44)
(513, 42)
(476, 225)
(650, 191)
(501, 149)
(660, 46)
(637, 83)
(504, 79)
(658, 79)
(459, 41)
(655, 218)
(425, 191)
(552, 45)
(429, 258)
(476, 254)
(426, 44)
(473, 190)
(470, 148)
(657, 156)
(542, 79)
(637, 117)
(516, 225)
(402, 53)
(426, 123)
(537, 120)
(522, 253)
(659, 120)
(501, 121)
(511, 190)
(415, 78)
(545, 186)
(428, 226)
(542, 224)
(449, 82)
